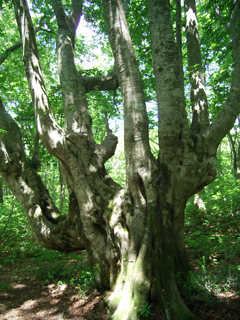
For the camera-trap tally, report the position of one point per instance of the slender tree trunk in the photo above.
(179, 39)
(1, 190)
(62, 192)
(234, 146)
(198, 93)
(200, 206)
(238, 161)
(219, 169)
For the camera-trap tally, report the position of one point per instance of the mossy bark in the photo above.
(151, 274)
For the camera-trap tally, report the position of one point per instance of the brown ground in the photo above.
(28, 299)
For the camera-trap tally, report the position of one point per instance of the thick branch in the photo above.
(179, 39)
(50, 133)
(199, 103)
(107, 148)
(234, 153)
(224, 121)
(172, 124)
(6, 53)
(16, 46)
(63, 20)
(108, 82)
(135, 116)
(235, 31)
(77, 117)
(51, 229)
(76, 12)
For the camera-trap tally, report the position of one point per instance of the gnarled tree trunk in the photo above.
(135, 234)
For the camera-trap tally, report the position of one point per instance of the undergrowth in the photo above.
(18, 245)
(213, 236)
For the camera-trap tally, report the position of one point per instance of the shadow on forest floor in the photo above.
(23, 296)
(27, 298)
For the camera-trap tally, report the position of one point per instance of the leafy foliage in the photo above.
(145, 311)
(53, 267)
(17, 244)
(212, 233)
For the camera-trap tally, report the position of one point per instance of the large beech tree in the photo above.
(135, 234)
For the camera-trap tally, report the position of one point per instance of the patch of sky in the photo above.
(95, 55)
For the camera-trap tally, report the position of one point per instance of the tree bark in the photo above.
(179, 39)
(1, 190)
(199, 103)
(134, 280)
(50, 229)
(225, 119)
(234, 155)
(82, 160)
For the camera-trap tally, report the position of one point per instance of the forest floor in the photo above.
(26, 297)
(23, 296)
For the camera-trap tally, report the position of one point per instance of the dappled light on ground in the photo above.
(33, 300)
(24, 298)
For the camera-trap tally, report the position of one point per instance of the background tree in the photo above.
(1, 191)
(135, 234)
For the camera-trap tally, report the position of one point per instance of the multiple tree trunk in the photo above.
(136, 235)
